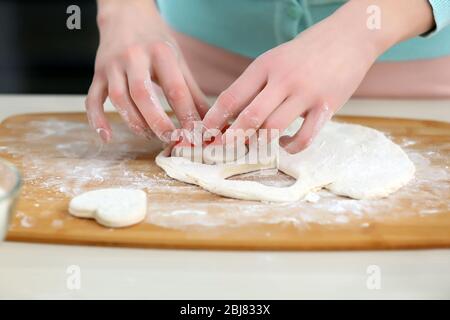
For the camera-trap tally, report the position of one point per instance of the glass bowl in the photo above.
(10, 183)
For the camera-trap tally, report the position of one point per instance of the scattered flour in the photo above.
(312, 197)
(25, 221)
(66, 158)
(57, 223)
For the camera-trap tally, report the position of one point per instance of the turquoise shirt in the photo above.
(251, 27)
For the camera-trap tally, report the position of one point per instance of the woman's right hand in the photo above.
(136, 49)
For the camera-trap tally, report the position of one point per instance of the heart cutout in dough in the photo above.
(112, 207)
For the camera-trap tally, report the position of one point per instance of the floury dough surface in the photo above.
(347, 159)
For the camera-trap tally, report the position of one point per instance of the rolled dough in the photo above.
(347, 159)
(113, 207)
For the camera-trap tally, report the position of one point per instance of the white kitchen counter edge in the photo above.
(44, 271)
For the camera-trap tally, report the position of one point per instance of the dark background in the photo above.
(39, 54)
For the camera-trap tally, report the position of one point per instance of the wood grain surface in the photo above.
(41, 211)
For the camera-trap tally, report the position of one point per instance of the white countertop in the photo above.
(41, 271)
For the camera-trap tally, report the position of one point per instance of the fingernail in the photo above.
(289, 149)
(296, 147)
(283, 141)
(104, 135)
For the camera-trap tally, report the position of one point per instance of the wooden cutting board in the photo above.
(60, 157)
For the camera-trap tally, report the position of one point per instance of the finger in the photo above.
(120, 97)
(315, 119)
(144, 96)
(234, 99)
(94, 106)
(253, 116)
(166, 67)
(199, 97)
(282, 117)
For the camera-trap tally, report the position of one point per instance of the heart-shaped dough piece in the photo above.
(113, 207)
